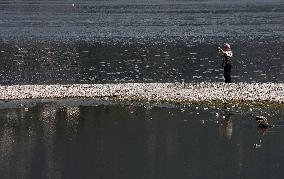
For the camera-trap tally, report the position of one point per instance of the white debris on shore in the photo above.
(159, 92)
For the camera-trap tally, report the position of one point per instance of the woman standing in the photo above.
(226, 54)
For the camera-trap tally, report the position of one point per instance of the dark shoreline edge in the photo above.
(74, 102)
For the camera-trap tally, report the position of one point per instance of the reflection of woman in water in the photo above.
(226, 127)
(263, 126)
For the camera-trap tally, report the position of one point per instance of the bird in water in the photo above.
(262, 122)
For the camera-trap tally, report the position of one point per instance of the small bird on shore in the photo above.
(262, 122)
(256, 146)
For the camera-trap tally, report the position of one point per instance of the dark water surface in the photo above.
(93, 140)
(52, 41)
(47, 42)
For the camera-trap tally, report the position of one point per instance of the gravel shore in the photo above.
(157, 92)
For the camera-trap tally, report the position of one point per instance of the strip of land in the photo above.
(157, 92)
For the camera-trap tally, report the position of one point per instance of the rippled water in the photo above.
(112, 41)
(93, 139)
(46, 42)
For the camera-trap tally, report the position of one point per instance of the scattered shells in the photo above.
(154, 92)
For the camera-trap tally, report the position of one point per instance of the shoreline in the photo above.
(178, 93)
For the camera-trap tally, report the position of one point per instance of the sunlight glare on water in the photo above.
(46, 42)
(121, 41)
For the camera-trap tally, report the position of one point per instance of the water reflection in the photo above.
(72, 119)
(226, 127)
(47, 118)
(48, 140)
(28, 141)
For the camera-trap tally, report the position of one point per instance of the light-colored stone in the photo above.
(177, 92)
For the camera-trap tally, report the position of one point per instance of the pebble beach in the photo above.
(154, 92)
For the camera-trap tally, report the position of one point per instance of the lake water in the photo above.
(114, 41)
(93, 139)
(47, 42)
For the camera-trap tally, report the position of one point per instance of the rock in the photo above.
(262, 122)
(256, 146)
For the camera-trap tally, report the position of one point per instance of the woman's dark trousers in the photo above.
(227, 73)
